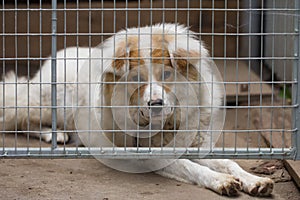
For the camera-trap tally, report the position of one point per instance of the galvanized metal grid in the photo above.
(253, 28)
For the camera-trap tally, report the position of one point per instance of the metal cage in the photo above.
(255, 45)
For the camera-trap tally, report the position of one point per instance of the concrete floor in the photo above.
(89, 179)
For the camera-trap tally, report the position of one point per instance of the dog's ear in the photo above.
(186, 62)
(127, 55)
(120, 64)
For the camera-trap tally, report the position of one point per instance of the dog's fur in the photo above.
(144, 55)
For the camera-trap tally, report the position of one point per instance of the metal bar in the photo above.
(41, 77)
(296, 86)
(284, 79)
(3, 72)
(65, 72)
(177, 106)
(28, 72)
(53, 75)
(186, 131)
(16, 71)
(109, 58)
(111, 33)
(182, 82)
(77, 56)
(276, 10)
(145, 153)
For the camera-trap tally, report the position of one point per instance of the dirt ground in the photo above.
(89, 179)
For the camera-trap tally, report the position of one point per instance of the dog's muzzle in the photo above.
(156, 109)
(155, 106)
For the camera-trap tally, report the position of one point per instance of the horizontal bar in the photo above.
(153, 9)
(175, 106)
(147, 82)
(148, 153)
(152, 130)
(120, 58)
(128, 34)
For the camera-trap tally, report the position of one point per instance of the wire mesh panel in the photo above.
(150, 79)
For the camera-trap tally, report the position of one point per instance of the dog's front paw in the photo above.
(60, 137)
(227, 185)
(258, 186)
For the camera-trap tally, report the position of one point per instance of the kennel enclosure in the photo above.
(255, 45)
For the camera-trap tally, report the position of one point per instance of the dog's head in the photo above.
(153, 65)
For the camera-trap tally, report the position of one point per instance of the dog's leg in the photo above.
(187, 171)
(251, 184)
(46, 135)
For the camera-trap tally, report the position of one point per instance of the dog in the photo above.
(135, 74)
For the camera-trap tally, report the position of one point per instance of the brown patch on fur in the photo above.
(191, 56)
(121, 54)
(166, 88)
(118, 63)
(185, 62)
(161, 56)
(135, 59)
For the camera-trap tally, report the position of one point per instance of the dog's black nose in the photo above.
(156, 105)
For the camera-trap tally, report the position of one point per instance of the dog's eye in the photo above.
(167, 74)
(137, 78)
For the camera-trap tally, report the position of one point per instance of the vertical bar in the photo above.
(237, 74)
(284, 78)
(16, 78)
(53, 74)
(40, 64)
(252, 19)
(138, 89)
(65, 70)
(187, 69)
(212, 78)
(296, 88)
(237, 41)
(126, 86)
(249, 96)
(272, 75)
(114, 56)
(163, 94)
(200, 78)
(3, 72)
(225, 63)
(151, 67)
(77, 61)
(90, 71)
(102, 60)
(28, 72)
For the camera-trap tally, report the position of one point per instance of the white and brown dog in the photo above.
(164, 76)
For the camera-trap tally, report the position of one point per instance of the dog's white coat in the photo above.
(222, 176)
